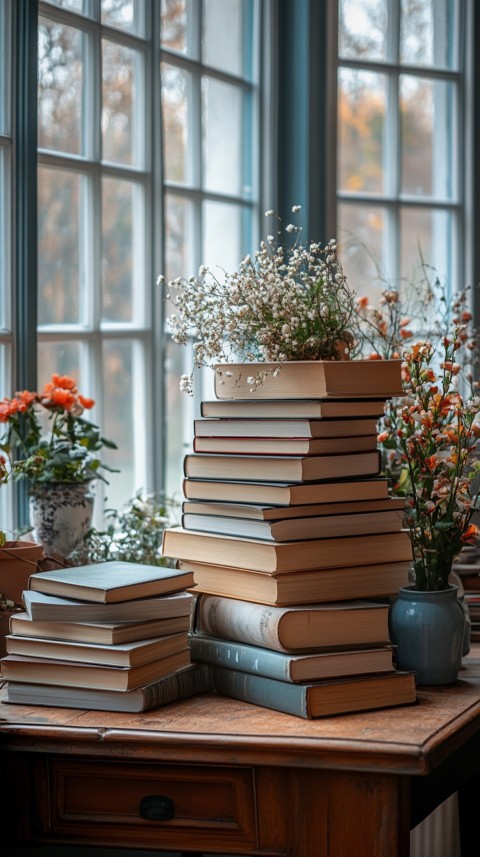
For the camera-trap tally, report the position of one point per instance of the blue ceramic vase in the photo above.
(428, 630)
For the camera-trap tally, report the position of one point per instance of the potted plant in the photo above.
(429, 438)
(288, 302)
(51, 444)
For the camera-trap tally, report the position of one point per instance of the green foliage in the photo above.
(133, 533)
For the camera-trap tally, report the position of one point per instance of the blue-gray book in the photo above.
(318, 699)
(311, 666)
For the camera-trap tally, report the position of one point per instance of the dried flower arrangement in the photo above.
(290, 301)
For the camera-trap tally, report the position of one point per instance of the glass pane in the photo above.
(63, 358)
(431, 233)
(362, 29)
(121, 88)
(223, 35)
(427, 121)
(428, 33)
(59, 258)
(222, 241)
(361, 120)
(73, 5)
(119, 225)
(179, 254)
(123, 14)
(180, 410)
(119, 407)
(60, 86)
(175, 85)
(222, 136)
(174, 25)
(362, 235)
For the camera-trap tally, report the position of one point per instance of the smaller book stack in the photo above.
(284, 507)
(110, 636)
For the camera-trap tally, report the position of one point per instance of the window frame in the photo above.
(391, 198)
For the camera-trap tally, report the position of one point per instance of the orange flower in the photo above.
(469, 537)
(65, 382)
(405, 334)
(363, 302)
(8, 408)
(26, 397)
(87, 403)
(34, 452)
(374, 356)
(61, 398)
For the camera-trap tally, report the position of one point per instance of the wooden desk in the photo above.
(241, 779)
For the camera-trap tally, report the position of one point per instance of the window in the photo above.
(401, 132)
(148, 148)
(6, 215)
(150, 121)
(211, 131)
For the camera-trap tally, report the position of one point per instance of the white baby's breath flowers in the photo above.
(287, 301)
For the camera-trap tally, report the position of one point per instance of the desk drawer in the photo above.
(151, 804)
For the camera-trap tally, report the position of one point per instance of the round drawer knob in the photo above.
(157, 808)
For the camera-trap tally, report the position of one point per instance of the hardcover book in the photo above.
(297, 587)
(104, 633)
(295, 408)
(49, 608)
(23, 668)
(313, 666)
(319, 699)
(282, 468)
(279, 557)
(285, 428)
(121, 655)
(292, 629)
(284, 445)
(262, 512)
(286, 494)
(190, 681)
(314, 527)
(109, 582)
(304, 379)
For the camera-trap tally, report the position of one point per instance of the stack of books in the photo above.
(109, 636)
(284, 507)
(310, 661)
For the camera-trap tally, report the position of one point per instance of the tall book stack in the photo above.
(285, 508)
(110, 636)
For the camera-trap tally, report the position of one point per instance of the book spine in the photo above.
(196, 679)
(241, 621)
(246, 658)
(258, 690)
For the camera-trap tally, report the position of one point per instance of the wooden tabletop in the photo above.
(410, 739)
